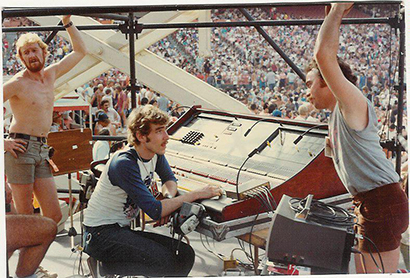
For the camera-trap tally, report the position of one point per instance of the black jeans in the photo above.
(126, 252)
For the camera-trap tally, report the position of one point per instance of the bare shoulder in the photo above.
(17, 78)
(12, 86)
(51, 70)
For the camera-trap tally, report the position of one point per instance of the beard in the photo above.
(35, 67)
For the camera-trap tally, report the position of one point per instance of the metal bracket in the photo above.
(125, 29)
(394, 22)
(138, 27)
(233, 228)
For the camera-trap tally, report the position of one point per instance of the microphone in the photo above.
(297, 140)
(259, 149)
(265, 143)
(261, 120)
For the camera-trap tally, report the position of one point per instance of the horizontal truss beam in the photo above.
(59, 28)
(108, 16)
(260, 23)
(46, 11)
(383, 20)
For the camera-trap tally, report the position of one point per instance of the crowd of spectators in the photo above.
(243, 64)
(246, 67)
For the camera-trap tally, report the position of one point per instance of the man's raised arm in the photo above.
(351, 101)
(79, 49)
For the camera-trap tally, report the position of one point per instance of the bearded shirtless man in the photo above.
(31, 96)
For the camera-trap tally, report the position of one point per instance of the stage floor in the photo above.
(62, 260)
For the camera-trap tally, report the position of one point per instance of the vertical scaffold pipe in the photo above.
(132, 37)
(400, 107)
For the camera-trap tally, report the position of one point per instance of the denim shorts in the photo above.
(29, 165)
(383, 215)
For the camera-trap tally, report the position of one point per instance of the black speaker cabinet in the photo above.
(323, 248)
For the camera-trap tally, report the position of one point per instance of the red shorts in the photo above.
(383, 215)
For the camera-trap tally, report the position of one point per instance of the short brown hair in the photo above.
(347, 71)
(141, 119)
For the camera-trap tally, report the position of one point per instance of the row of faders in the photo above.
(192, 137)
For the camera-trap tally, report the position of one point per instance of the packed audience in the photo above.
(245, 66)
(261, 78)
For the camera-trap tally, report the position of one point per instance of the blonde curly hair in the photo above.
(28, 38)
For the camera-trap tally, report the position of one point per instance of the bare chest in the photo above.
(37, 95)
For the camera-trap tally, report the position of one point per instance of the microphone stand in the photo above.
(258, 121)
(297, 140)
(259, 149)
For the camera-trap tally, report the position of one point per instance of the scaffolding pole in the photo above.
(400, 105)
(380, 20)
(43, 11)
(275, 46)
(132, 36)
(59, 28)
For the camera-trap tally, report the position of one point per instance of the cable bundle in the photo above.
(264, 197)
(323, 213)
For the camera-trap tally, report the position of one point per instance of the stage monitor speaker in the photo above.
(323, 248)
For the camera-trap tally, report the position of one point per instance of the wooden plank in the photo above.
(73, 150)
(258, 238)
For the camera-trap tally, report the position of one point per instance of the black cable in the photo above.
(249, 255)
(370, 252)
(354, 250)
(243, 248)
(373, 259)
(364, 262)
(378, 252)
(335, 215)
(258, 195)
(189, 107)
(320, 205)
(247, 266)
(265, 199)
(261, 200)
(250, 239)
(232, 115)
(297, 140)
(271, 197)
(258, 121)
(237, 178)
